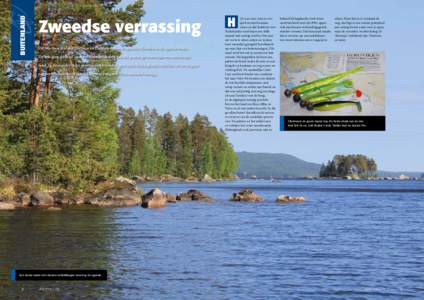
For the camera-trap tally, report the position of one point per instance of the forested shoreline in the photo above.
(59, 119)
(154, 145)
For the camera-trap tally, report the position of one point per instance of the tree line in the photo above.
(349, 165)
(59, 120)
(153, 144)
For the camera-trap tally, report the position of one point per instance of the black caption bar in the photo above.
(85, 275)
(333, 123)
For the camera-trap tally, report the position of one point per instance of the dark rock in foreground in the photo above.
(194, 195)
(154, 199)
(246, 195)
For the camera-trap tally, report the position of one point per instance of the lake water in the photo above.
(350, 240)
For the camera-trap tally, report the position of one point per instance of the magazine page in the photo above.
(211, 149)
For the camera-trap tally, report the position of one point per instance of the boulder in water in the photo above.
(184, 197)
(171, 198)
(288, 199)
(246, 195)
(154, 199)
(194, 195)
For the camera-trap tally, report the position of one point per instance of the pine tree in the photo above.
(206, 158)
(199, 126)
(168, 140)
(41, 161)
(138, 140)
(125, 134)
(184, 146)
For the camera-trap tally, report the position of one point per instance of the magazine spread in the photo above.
(211, 149)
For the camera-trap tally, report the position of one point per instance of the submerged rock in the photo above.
(154, 199)
(7, 206)
(171, 198)
(288, 199)
(246, 195)
(194, 195)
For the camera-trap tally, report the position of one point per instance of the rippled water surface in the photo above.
(351, 239)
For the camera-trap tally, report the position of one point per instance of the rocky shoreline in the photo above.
(175, 179)
(120, 192)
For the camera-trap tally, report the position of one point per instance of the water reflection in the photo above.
(75, 238)
(346, 240)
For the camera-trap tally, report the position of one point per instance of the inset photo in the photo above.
(332, 84)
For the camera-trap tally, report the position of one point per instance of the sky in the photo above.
(399, 148)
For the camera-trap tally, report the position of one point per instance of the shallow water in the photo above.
(351, 239)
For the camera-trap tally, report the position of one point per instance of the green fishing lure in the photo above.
(333, 105)
(330, 96)
(317, 91)
(319, 82)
